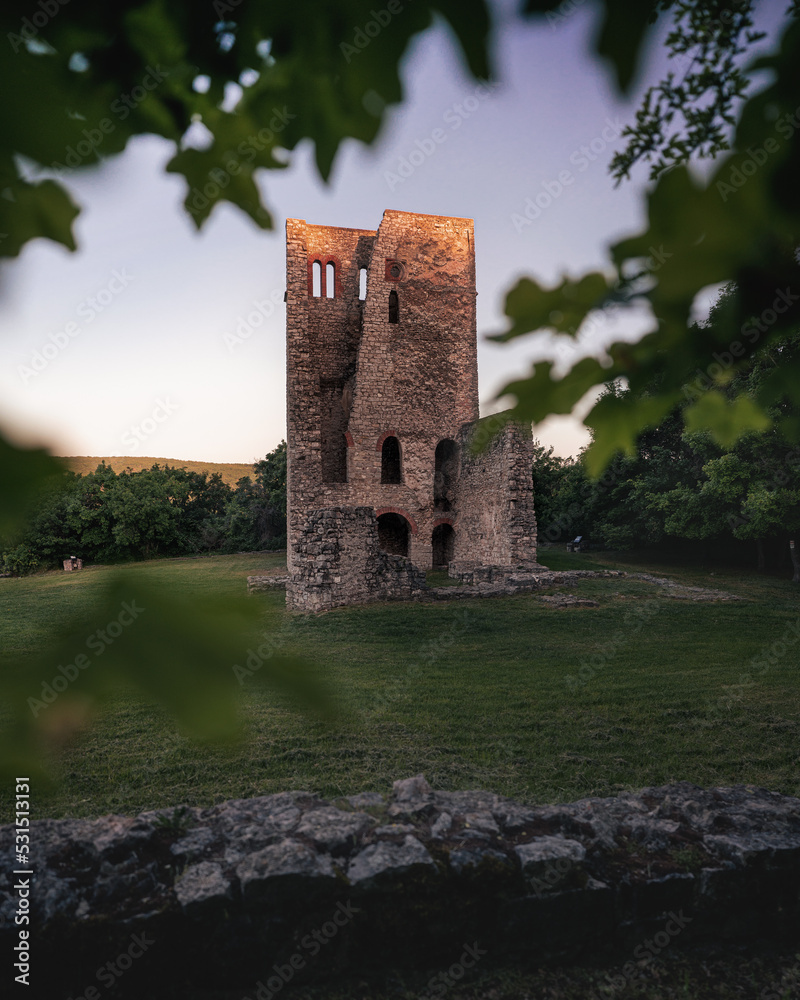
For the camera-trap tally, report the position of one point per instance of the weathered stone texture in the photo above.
(494, 496)
(338, 561)
(239, 890)
(357, 374)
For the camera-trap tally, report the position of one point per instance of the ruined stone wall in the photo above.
(322, 337)
(337, 561)
(355, 377)
(494, 499)
(225, 898)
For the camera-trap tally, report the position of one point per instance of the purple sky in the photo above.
(154, 368)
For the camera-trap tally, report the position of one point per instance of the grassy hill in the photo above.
(231, 472)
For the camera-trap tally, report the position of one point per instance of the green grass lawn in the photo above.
(504, 693)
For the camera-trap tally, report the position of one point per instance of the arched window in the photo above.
(316, 279)
(330, 280)
(442, 542)
(362, 283)
(391, 468)
(445, 474)
(393, 533)
(394, 307)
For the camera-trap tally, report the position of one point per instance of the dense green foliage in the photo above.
(742, 224)
(681, 484)
(162, 511)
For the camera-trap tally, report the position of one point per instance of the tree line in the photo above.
(679, 487)
(110, 517)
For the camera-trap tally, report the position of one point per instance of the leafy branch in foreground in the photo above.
(741, 225)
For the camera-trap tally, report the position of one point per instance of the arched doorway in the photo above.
(393, 534)
(442, 542)
(391, 468)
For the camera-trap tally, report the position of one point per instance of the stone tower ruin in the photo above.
(382, 404)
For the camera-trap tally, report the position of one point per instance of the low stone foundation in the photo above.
(220, 897)
(337, 560)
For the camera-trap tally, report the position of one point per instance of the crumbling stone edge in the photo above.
(223, 896)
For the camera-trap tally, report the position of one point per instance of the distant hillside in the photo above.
(231, 472)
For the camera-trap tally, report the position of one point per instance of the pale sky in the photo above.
(153, 368)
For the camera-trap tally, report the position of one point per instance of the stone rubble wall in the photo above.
(225, 893)
(338, 561)
(494, 498)
(353, 375)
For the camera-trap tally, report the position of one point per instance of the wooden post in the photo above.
(795, 562)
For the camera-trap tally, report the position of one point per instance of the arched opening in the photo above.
(393, 533)
(391, 467)
(442, 542)
(362, 283)
(394, 307)
(330, 280)
(445, 475)
(316, 279)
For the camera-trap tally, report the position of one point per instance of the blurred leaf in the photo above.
(564, 307)
(181, 654)
(29, 211)
(725, 420)
(541, 395)
(616, 422)
(24, 472)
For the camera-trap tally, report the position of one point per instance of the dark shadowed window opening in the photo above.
(330, 280)
(443, 539)
(391, 471)
(316, 279)
(393, 532)
(445, 475)
(394, 307)
(362, 283)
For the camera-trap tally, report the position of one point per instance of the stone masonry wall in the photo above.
(494, 499)
(226, 897)
(337, 561)
(354, 377)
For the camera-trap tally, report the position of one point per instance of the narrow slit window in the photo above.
(362, 283)
(330, 280)
(316, 279)
(394, 307)
(391, 467)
